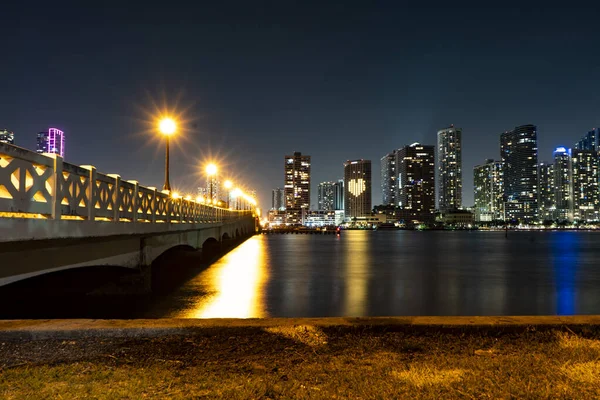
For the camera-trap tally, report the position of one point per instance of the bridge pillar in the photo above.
(90, 192)
(116, 195)
(153, 205)
(135, 203)
(56, 192)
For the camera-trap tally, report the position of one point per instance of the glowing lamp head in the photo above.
(211, 169)
(228, 184)
(167, 126)
(175, 195)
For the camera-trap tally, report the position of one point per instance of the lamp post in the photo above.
(167, 127)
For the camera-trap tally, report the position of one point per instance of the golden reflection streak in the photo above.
(357, 274)
(238, 281)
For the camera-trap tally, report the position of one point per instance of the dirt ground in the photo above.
(308, 361)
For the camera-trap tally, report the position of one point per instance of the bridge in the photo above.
(56, 216)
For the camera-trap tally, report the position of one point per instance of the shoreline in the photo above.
(71, 328)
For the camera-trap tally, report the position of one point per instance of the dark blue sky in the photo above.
(257, 80)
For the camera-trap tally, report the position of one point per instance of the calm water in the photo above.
(397, 273)
(365, 273)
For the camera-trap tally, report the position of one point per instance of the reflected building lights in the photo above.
(237, 281)
(357, 276)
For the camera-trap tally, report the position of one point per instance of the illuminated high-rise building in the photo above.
(584, 173)
(297, 181)
(563, 196)
(519, 152)
(357, 188)
(388, 178)
(488, 191)
(546, 205)
(338, 195)
(51, 141)
(7, 136)
(449, 158)
(277, 199)
(590, 141)
(213, 185)
(415, 192)
(325, 196)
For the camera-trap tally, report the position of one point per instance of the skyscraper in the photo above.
(449, 144)
(51, 141)
(388, 178)
(488, 191)
(546, 205)
(586, 197)
(357, 184)
(7, 136)
(326, 196)
(213, 180)
(277, 199)
(563, 198)
(590, 141)
(519, 152)
(338, 195)
(416, 180)
(297, 181)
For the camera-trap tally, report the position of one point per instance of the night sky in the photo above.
(254, 81)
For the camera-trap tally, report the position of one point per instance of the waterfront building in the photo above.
(277, 217)
(51, 141)
(7, 136)
(546, 204)
(586, 197)
(449, 158)
(563, 198)
(297, 181)
(590, 141)
(325, 195)
(277, 199)
(388, 178)
(338, 195)
(357, 184)
(340, 217)
(415, 191)
(488, 191)
(213, 185)
(312, 218)
(457, 218)
(519, 152)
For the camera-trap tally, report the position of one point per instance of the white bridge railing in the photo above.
(33, 185)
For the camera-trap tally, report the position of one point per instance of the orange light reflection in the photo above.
(238, 281)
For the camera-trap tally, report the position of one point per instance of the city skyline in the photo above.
(336, 83)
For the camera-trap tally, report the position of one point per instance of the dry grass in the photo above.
(423, 376)
(309, 362)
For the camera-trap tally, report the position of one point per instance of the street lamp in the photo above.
(167, 127)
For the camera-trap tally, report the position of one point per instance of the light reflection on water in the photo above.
(398, 273)
(235, 284)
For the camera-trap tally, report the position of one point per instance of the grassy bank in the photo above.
(311, 361)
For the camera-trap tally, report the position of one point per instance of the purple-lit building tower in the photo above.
(52, 141)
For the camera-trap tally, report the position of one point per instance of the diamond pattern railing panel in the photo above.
(44, 186)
